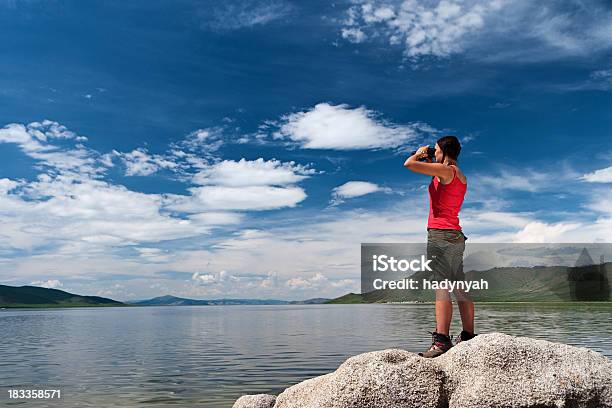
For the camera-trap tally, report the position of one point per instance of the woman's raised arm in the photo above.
(431, 169)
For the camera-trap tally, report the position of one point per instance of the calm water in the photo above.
(209, 355)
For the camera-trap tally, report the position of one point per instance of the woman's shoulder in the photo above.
(462, 177)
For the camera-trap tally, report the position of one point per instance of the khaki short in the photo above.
(445, 249)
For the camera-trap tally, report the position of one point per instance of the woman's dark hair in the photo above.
(450, 147)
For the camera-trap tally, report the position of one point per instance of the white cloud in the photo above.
(69, 213)
(507, 181)
(243, 185)
(140, 163)
(236, 198)
(353, 189)
(7, 185)
(214, 278)
(49, 284)
(284, 261)
(70, 209)
(601, 201)
(378, 14)
(604, 76)
(48, 129)
(206, 141)
(251, 173)
(331, 243)
(35, 140)
(598, 80)
(195, 151)
(217, 218)
(354, 35)
(107, 159)
(523, 179)
(299, 283)
(229, 15)
(493, 30)
(570, 28)
(538, 232)
(482, 220)
(154, 255)
(204, 278)
(339, 127)
(318, 281)
(423, 28)
(599, 176)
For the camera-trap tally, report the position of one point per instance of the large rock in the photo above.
(255, 401)
(497, 370)
(389, 378)
(491, 370)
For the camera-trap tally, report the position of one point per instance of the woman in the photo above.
(445, 239)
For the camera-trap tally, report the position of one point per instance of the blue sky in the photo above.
(246, 149)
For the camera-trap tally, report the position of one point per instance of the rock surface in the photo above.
(255, 401)
(491, 370)
(497, 370)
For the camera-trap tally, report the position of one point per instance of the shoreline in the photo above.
(543, 303)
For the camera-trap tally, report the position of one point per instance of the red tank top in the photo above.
(445, 202)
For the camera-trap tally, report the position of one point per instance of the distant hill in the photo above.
(313, 301)
(169, 300)
(34, 296)
(348, 298)
(515, 284)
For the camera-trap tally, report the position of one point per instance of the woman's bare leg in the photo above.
(466, 310)
(444, 311)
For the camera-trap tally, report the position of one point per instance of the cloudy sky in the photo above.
(247, 148)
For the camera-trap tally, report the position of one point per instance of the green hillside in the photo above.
(34, 296)
(348, 298)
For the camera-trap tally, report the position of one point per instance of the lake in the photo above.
(210, 355)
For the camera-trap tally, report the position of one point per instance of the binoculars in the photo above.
(431, 154)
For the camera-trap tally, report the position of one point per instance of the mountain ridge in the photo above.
(28, 296)
(169, 300)
(36, 296)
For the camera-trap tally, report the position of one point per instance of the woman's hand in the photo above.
(421, 152)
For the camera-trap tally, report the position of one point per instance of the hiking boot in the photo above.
(464, 336)
(440, 344)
